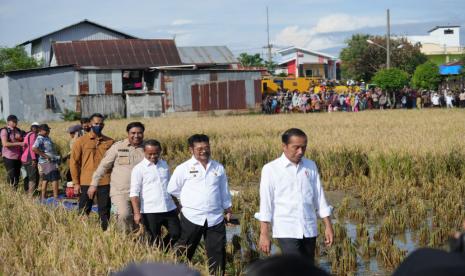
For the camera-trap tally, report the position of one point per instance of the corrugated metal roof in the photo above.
(85, 21)
(206, 55)
(442, 27)
(117, 54)
(296, 49)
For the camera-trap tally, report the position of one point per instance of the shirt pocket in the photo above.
(123, 157)
(194, 175)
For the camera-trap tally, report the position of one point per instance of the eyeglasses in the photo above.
(199, 149)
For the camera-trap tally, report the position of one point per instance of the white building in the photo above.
(441, 45)
(300, 62)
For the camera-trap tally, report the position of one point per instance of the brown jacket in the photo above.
(120, 159)
(86, 154)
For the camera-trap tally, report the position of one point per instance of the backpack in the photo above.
(8, 133)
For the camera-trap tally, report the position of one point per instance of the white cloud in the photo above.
(181, 22)
(294, 35)
(346, 22)
(318, 37)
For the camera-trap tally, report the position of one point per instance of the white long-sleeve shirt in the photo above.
(290, 198)
(149, 182)
(203, 193)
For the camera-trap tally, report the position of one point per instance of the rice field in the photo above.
(399, 176)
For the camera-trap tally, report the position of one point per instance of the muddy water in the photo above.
(364, 267)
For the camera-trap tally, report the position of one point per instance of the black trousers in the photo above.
(13, 171)
(304, 247)
(103, 203)
(215, 243)
(153, 223)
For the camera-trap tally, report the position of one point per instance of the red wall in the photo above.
(291, 68)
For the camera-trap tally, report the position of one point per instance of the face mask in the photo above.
(97, 129)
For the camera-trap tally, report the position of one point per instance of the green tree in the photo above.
(251, 60)
(426, 76)
(361, 60)
(391, 79)
(16, 58)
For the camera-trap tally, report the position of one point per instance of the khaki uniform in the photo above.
(120, 159)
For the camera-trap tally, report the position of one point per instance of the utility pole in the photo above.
(388, 42)
(269, 46)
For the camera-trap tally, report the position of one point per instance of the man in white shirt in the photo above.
(201, 186)
(435, 100)
(152, 204)
(291, 197)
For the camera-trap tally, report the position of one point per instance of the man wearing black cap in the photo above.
(12, 142)
(48, 159)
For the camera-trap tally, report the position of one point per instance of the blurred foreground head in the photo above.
(157, 269)
(285, 265)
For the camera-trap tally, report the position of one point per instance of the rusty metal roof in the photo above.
(117, 54)
(207, 55)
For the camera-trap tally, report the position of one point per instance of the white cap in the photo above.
(35, 124)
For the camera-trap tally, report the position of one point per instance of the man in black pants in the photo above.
(201, 186)
(291, 198)
(151, 202)
(12, 143)
(86, 154)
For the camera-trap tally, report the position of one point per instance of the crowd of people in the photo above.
(327, 100)
(192, 203)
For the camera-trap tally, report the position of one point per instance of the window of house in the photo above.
(83, 82)
(308, 73)
(132, 80)
(83, 76)
(448, 31)
(102, 77)
(50, 101)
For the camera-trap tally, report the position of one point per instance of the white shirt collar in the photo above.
(147, 163)
(286, 162)
(194, 162)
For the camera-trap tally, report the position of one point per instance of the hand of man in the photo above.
(228, 216)
(91, 191)
(329, 236)
(77, 189)
(137, 218)
(264, 244)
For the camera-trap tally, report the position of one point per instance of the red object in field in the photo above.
(69, 192)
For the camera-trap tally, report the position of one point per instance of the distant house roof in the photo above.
(443, 27)
(206, 55)
(117, 54)
(85, 21)
(294, 48)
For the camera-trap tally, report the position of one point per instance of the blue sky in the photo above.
(321, 25)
